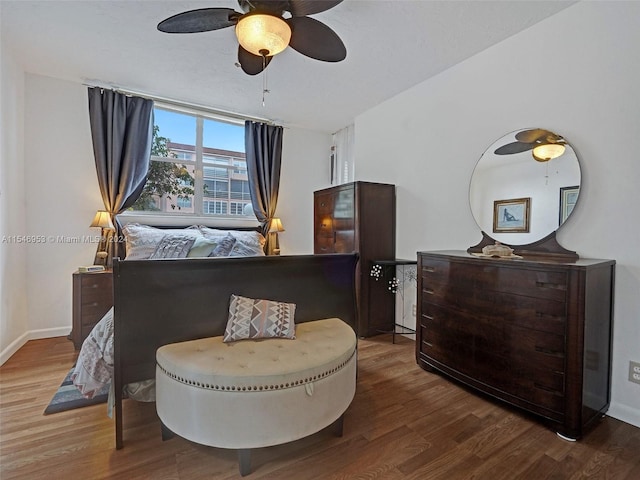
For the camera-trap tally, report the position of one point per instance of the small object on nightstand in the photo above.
(91, 268)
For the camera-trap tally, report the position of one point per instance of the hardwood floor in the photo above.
(404, 423)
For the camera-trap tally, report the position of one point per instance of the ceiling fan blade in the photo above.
(316, 40)
(201, 20)
(251, 64)
(514, 147)
(532, 136)
(300, 8)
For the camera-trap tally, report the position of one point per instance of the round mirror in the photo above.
(524, 186)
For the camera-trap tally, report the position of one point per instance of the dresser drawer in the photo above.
(324, 245)
(95, 281)
(531, 370)
(450, 331)
(441, 275)
(323, 204)
(530, 312)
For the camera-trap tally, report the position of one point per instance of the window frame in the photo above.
(198, 215)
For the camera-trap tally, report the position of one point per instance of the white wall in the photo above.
(577, 74)
(305, 168)
(13, 257)
(51, 194)
(62, 197)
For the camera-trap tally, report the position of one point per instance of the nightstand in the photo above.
(92, 298)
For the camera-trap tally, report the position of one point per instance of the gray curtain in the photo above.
(122, 133)
(263, 147)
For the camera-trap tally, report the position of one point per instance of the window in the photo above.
(185, 202)
(236, 208)
(197, 167)
(215, 208)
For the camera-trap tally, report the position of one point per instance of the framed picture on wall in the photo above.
(568, 199)
(511, 216)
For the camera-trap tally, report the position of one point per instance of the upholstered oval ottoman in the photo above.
(257, 393)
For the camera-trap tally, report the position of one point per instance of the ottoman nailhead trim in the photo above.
(254, 388)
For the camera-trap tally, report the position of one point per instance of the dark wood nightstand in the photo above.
(92, 298)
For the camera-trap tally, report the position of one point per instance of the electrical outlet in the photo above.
(634, 372)
(413, 309)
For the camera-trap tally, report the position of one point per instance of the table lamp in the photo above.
(102, 220)
(274, 229)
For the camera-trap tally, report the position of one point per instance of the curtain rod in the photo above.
(179, 103)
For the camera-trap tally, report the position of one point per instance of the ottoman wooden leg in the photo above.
(337, 426)
(166, 433)
(244, 461)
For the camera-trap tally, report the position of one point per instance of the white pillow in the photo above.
(253, 240)
(202, 247)
(142, 240)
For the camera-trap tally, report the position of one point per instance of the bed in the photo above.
(170, 300)
(93, 371)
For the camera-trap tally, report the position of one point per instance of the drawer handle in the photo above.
(550, 317)
(551, 285)
(427, 343)
(547, 389)
(428, 292)
(548, 351)
(428, 269)
(428, 317)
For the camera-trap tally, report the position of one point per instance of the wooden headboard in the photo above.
(157, 302)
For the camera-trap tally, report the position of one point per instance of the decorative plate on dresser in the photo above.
(532, 324)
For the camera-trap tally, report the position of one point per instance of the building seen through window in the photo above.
(198, 177)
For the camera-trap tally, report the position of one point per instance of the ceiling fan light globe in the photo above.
(260, 32)
(548, 151)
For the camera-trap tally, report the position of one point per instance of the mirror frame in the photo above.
(544, 247)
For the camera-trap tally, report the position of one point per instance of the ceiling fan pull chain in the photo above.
(546, 173)
(265, 90)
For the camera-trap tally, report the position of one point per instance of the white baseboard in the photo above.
(14, 346)
(625, 413)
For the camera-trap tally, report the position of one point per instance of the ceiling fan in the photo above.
(544, 144)
(266, 28)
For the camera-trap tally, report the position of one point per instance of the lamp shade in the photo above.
(548, 151)
(276, 226)
(263, 34)
(103, 220)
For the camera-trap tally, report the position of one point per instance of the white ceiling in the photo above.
(391, 46)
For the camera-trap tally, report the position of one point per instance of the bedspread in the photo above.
(94, 367)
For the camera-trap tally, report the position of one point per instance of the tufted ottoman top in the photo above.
(320, 348)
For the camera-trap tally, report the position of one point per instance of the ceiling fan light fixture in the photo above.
(263, 34)
(548, 151)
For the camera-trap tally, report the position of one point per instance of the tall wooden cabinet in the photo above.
(534, 333)
(360, 217)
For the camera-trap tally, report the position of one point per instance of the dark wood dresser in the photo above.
(533, 333)
(92, 298)
(360, 217)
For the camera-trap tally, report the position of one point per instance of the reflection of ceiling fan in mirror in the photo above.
(266, 28)
(545, 145)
